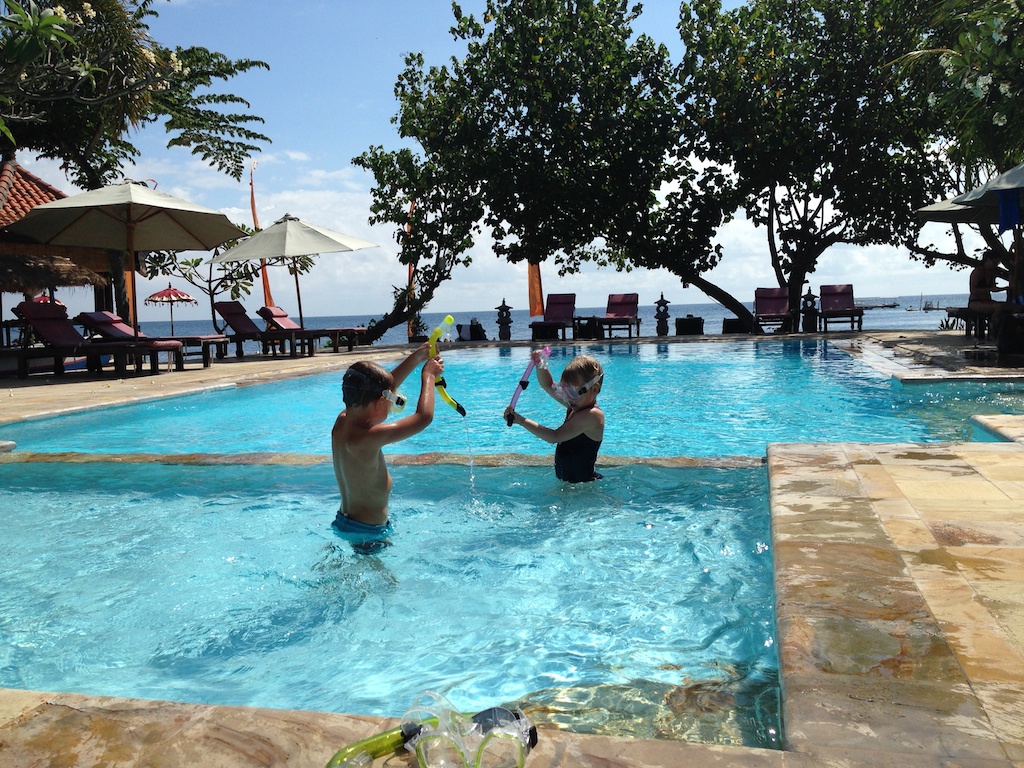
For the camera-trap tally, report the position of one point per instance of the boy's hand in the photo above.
(422, 353)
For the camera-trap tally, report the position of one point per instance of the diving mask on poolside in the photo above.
(444, 738)
(570, 393)
(397, 400)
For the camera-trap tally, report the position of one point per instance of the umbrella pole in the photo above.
(133, 297)
(172, 318)
(298, 298)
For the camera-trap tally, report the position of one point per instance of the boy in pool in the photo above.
(370, 393)
(578, 439)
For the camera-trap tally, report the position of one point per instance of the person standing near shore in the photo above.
(370, 393)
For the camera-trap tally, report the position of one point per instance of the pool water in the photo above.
(694, 399)
(641, 605)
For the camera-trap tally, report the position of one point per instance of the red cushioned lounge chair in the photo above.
(837, 304)
(61, 340)
(278, 320)
(559, 316)
(113, 328)
(621, 313)
(244, 329)
(771, 308)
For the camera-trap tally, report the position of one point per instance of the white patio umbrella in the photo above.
(291, 238)
(128, 217)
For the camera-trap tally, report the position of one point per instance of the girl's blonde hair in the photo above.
(581, 369)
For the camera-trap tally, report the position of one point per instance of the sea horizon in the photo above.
(911, 312)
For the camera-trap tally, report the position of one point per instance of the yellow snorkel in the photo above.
(440, 384)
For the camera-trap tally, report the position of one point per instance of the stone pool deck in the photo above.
(899, 572)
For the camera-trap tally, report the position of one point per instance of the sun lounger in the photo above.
(60, 340)
(621, 312)
(559, 316)
(837, 304)
(278, 320)
(771, 308)
(244, 329)
(113, 328)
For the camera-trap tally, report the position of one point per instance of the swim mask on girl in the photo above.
(570, 393)
(444, 738)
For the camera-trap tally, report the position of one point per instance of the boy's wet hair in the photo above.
(581, 369)
(364, 382)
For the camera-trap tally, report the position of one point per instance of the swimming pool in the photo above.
(639, 606)
(610, 608)
(694, 399)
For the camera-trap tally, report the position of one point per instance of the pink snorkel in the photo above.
(523, 382)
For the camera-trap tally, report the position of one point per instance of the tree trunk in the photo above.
(726, 299)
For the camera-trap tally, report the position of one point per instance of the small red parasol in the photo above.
(46, 298)
(171, 296)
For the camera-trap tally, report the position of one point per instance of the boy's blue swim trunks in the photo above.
(361, 533)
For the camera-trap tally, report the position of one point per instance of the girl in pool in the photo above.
(578, 439)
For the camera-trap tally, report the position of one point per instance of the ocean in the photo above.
(909, 313)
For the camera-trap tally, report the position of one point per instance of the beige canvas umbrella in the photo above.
(292, 238)
(128, 217)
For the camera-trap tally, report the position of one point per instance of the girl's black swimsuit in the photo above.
(575, 459)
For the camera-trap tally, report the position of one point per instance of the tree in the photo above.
(798, 100)
(78, 102)
(437, 214)
(562, 128)
(79, 76)
(970, 66)
(32, 45)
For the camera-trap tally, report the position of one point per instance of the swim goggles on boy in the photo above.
(444, 738)
(397, 400)
(570, 393)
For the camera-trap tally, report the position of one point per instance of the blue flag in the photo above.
(1009, 209)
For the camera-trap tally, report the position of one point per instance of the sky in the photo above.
(329, 96)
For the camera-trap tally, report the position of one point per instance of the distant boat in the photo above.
(929, 307)
(886, 305)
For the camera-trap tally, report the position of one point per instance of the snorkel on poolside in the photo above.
(524, 382)
(440, 383)
(442, 737)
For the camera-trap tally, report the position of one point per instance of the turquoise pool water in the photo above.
(641, 607)
(695, 399)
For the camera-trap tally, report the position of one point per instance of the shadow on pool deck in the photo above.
(899, 575)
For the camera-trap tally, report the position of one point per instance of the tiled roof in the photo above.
(21, 191)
